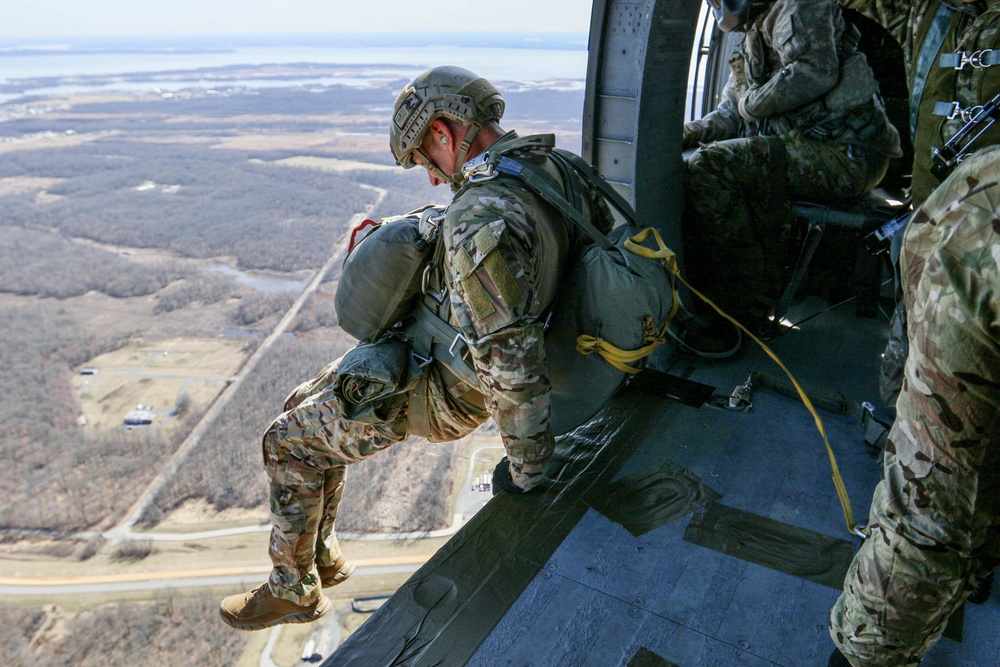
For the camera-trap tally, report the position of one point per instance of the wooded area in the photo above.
(59, 476)
(227, 469)
(197, 202)
(170, 631)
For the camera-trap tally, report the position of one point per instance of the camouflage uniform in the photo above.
(934, 528)
(957, 79)
(306, 453)
(800, 118)
(951, 80)
(505, 253)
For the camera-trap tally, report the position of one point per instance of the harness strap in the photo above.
(417, 415)
(590, 171)
(838, 480)
(436, 339)
(543, 185)
(925, 60)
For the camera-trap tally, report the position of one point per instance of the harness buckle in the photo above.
(977, 59)
(451, 348)
(479, 169)
(439, 296)
(422, 362)
(956, 111)
(741, 398)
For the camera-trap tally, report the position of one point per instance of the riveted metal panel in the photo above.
(640, 53)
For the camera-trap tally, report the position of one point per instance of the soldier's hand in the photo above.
(502, 481)
(692, 135)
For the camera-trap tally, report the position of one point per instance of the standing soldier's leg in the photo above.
(935, 521)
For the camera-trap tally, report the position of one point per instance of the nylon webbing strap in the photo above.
(419, 418)
(984, 58)
(838, 480)
(928, 53)
(542, 184)
(594, 177)
(447, 341)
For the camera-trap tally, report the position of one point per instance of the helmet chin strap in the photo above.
(432, 167)
(458, 178)
(463, 150)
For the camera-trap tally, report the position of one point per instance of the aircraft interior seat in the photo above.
(862, 218)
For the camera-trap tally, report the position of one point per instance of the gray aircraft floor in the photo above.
(686, 536)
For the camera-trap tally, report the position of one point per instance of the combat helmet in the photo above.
(448, 92)
(736, 14)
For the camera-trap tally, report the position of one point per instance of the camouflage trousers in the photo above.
(736, 222)
(306, 453)
(934, 527)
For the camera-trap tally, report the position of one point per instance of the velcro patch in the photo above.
(464, 262)
(476, 296)
(485, 241)
(501, 275)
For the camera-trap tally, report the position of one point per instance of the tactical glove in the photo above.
(502, 480)
(691, 136)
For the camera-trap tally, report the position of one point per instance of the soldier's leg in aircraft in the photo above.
(935, 518)
(306, 452)
(732, 195)
(829, 172)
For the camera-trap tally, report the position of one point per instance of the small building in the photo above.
(141, 416)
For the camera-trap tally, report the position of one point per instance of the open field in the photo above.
(49, 141)
(329, 164)
(16, 185)
(157, 375)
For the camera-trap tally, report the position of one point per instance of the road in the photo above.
(145, 581)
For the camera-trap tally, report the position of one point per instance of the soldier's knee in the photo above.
(711, 170)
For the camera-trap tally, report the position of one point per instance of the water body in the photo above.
(48, 68)
(261, 282)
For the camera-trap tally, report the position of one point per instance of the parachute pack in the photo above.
(613, 310)
(381, 276)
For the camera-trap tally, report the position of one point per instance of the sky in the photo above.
(54, 18)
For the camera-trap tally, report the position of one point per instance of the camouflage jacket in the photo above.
(798, 68)
(958, 79)
(505, 253)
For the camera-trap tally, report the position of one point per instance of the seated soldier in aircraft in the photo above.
(369, 399)
(800, 118)
(501, 252)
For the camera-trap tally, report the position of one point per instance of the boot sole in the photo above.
(340, 576)
(322, 609)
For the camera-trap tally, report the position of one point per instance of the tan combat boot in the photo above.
(259, 608)
(336, 573)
